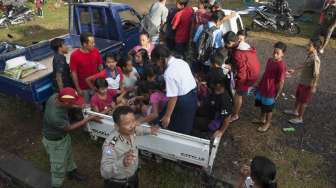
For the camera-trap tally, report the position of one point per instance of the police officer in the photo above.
(120, 158)
(56, 138)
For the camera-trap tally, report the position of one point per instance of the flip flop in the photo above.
(235, 119)
(257, 121)
(291, 112)
(296, 121)
(263, 130)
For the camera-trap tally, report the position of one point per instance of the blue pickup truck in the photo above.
(116, 29)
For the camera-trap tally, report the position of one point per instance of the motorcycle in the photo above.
(266, 18)
(6, 47)
(16, 15)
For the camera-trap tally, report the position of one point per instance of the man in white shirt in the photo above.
(180, 90)
(158, 14)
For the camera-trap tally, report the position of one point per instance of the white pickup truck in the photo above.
(168, 144)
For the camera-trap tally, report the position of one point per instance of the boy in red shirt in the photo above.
(84, 62)
(182, 25)
(270, 86)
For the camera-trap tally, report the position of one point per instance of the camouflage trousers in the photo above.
(61, 159)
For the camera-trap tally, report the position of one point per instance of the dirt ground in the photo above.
(305, 158)
(307, 155)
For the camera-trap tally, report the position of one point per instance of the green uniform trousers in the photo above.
(60, 157)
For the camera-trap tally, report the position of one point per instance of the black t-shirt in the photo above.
(212, 77)
(220, 105)
(61, 66)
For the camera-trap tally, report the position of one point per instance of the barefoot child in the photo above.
(270, 86)
(310, 73)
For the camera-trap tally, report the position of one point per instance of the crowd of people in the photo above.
(153, 83)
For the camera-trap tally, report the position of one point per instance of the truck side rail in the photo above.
(167, 144)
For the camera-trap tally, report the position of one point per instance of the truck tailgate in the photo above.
(167, 144)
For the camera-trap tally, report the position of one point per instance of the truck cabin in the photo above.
(113, 21)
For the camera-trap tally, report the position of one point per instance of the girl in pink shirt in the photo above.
(145, 43)
(157, 101)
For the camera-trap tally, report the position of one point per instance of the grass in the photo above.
(295, 167)
(54, 23)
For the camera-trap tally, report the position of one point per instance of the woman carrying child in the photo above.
(112, 73)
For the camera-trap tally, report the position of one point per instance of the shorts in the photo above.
(265, 103)
(264, 108)
(303, 93)
(242, 89)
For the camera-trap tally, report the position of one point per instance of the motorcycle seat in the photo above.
(272, 16)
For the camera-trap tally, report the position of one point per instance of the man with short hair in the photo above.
(85, 62)
(56, 139)
(120, 158)
(61, 70)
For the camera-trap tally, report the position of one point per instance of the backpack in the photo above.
(205, 47)
(147, 25)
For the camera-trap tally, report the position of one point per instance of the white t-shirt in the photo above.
(178, 77)
(130, 80)
(158, 13)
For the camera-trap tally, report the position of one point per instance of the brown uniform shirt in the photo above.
(311, 70)
(115, 148)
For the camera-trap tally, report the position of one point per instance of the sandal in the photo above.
(291, 112)
(257, 121)
(234, 119)
(263, 129)
(296, 121)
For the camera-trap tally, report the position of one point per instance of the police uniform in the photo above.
(112, 169)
